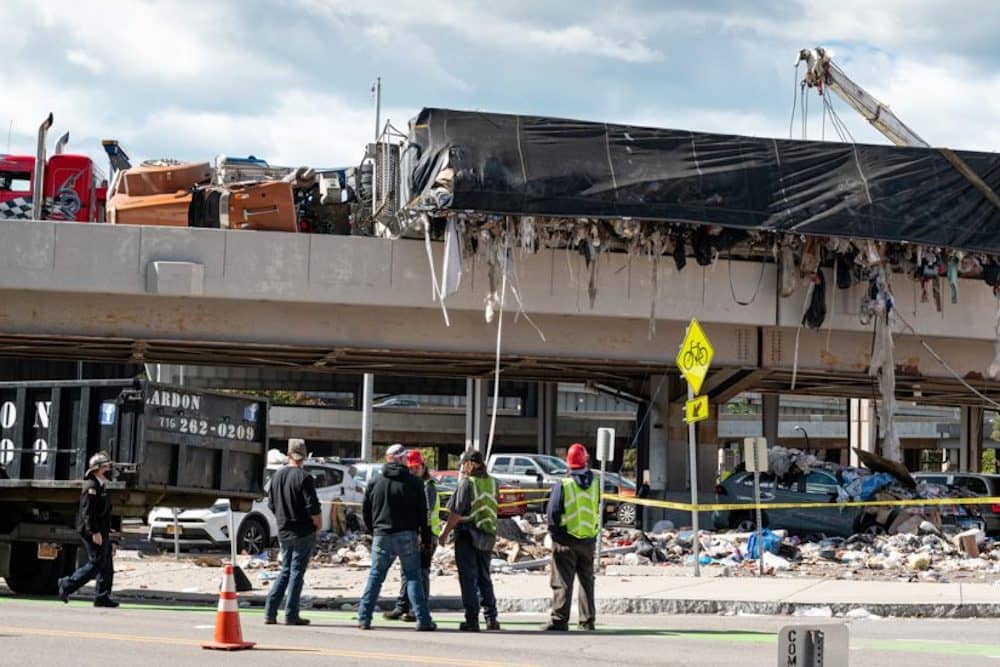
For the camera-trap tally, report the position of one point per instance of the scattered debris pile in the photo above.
(909, 543)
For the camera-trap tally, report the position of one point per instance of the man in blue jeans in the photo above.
(292, 498)
(395, 511)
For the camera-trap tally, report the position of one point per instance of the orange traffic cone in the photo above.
(228, 634)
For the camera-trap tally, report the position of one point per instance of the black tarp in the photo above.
(533, 165)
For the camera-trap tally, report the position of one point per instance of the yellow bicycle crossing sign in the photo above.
(695, 356)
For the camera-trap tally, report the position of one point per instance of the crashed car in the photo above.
(820, 486)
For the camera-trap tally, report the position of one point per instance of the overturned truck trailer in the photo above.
(549, 167)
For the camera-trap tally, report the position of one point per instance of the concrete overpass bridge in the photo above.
(344, 304)
(315, 304)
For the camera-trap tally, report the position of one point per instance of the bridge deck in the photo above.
(352, 304)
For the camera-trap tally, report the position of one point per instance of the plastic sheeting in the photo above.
(533, 165)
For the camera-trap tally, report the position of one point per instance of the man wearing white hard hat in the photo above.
(94, 524)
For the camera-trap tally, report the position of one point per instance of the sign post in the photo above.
(755, 456)
(693, 360)
(605, 453)
(820, 645)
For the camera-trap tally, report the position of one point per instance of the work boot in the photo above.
(555, 627)
(430, 627)
(270, 621)
(588, 626)
(465, 626)
(493, 625)
(297, 620)
(393, 615)
(409, 617)
(106, 602)
(63, 593)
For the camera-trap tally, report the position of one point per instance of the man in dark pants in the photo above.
(292, 498)
(94, 525)
(396, 513)
(574, 524)
(473, 510)
(403, 609)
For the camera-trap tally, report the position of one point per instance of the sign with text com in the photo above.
(823, 645)
(695, 356)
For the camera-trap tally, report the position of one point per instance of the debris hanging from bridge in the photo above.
(829, 215)
(502, 164)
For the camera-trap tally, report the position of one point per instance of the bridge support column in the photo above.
(367, 396)
(970, 454)
(861, 427)
(441, 458)
(477, 420)
(770, 409)
(546, 414)
(654, 436)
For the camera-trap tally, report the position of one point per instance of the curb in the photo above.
(618, 606)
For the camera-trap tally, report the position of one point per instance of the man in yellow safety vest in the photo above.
(473, 511)
(574, 524)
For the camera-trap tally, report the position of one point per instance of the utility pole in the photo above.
(377, 92)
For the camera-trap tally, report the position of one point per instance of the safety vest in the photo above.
(483, 514)
(581, 507)
(434, 513)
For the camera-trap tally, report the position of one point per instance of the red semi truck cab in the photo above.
(73, 188)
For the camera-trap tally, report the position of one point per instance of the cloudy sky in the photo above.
(290, 81)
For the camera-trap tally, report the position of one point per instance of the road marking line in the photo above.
(146, 639)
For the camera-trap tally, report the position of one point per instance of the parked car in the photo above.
(623, 513)
(256, 529)
(974, 484)
(396, 402)
(817, 486)
(527, 470)
(447, 482)
(366, 472)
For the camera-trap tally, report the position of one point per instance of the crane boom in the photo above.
(822, 73)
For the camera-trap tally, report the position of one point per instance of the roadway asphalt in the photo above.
(47, 632)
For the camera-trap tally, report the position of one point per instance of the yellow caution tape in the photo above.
(339, 502)
(713, 507)
(519, 503)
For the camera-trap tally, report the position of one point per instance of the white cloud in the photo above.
(153, 77)
(84, 60)
(299, 128)
(575, 39)
(487, 24)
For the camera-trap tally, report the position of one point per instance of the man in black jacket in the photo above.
(395, 511)
(292, 498)
(93, 522)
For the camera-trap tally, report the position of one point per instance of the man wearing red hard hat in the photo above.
(418, 468)
(574, 524)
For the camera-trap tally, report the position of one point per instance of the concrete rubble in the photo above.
(927, 553)
(913, 543)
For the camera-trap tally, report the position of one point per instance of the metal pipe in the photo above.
(38, 181)
(177, 537)
(377, 89)
(806, 434)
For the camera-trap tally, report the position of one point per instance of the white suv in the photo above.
(527, 470)
(256, 529)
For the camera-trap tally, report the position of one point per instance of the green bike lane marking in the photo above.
(945, 647)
